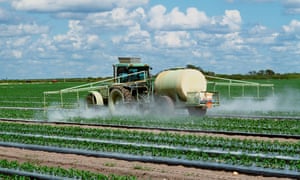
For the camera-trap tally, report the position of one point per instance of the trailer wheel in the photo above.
(197, 111)
(94, 98)
(118, 97)
(165, 105)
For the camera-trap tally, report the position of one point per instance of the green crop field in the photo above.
(27, 101)
(279, 156)
(52, 172)
(19, 100)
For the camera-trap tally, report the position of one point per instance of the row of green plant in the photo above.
(174, 139)
(20, 114)
(240, 160)
(273, 113)
(31, 95)
(55, 172)
(32, 90)
(38, 102)
(266, 126)
(142, 144)
(208, 146)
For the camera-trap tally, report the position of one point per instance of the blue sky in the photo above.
(83, 38)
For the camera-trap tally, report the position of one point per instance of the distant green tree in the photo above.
(261, 72)
(269, 72)
(210, 73)
(190, 66)
(252, 73)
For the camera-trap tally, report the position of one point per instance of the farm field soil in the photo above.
(112, 166)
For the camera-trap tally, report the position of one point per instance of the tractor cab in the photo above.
(130, 69)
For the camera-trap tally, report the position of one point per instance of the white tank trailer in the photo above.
(171, 89)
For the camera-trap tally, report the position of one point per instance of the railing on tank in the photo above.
(230, 83)
(103, 84)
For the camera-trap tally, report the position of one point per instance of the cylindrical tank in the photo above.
(177, 83)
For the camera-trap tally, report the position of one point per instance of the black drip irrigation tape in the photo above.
(32, 175)
(168, 161)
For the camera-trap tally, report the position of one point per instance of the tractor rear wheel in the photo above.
(197, 111)
(94, 98)
(118, 98)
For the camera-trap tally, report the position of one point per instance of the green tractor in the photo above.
(133, 87)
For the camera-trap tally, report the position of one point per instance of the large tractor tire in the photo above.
(197, 111)
(165, 106)
(94, 98)
(119, 97)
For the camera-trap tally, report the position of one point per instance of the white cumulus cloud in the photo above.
(22, 29)
(84, 37)
(191, 19)
(232, 19)
(77, 38)
(118, 17)
(293, 27)
(17, 54)
(292, 6)
(176, 39)
(259, 35)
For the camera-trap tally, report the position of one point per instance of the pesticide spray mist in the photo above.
(287, 102)
(82, 111)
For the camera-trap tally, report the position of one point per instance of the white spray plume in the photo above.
(288, 101)
(103, 112)
(61, 114)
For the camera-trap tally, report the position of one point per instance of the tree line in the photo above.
(254, 74)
